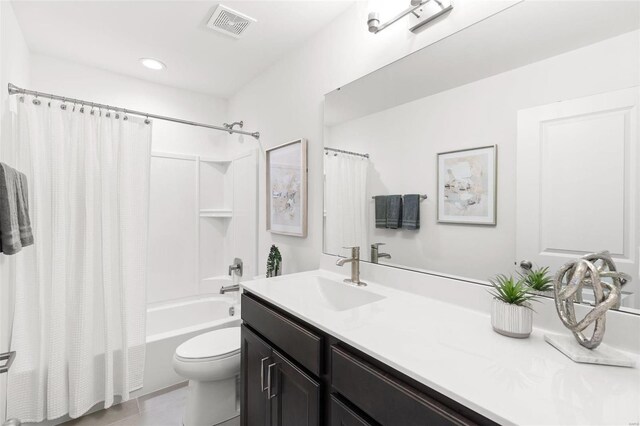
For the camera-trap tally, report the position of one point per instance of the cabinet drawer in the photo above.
(384, 398)
(341, 415)
(296, 341)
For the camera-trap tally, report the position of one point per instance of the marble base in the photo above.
(603, 354)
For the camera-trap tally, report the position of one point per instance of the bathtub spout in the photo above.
(225, 289)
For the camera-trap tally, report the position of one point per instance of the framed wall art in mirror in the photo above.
(286, 198)
(467, 186)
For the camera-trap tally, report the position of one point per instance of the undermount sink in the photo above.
(333, 295)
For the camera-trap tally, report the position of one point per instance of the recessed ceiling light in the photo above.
(152, 64)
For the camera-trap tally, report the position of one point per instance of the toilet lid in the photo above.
(214, 344)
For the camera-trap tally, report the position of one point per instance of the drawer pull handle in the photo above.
(264, 388)
(269, 384)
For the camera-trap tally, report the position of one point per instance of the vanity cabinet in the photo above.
(293, 374)
(275, 391)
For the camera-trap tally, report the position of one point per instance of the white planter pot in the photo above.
(511, 320)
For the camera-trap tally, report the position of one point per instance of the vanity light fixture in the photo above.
(424, 10)
(152, 64)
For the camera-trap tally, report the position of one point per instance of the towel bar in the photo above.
(422, 197)
(8, 357)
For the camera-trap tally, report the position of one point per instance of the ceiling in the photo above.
(113, 35)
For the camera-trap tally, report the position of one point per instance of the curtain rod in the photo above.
(347, 152)
(15, 90)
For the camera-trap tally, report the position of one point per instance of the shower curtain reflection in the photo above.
(346, 206)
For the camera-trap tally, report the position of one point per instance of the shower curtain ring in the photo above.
(82, 109)
(36, 101)
(147, 121)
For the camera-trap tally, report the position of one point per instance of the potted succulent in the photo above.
(539, 281)
(511, 311)
(274, 262)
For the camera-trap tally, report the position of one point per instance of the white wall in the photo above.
(286, 101)
(404, 141)
(75, 80)
(14, 67)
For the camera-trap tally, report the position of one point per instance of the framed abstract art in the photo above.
(467, 186)
(286, 208)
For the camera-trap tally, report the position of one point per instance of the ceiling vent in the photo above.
(228, 21)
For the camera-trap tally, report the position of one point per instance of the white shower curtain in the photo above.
(346, 203)
(79, 324)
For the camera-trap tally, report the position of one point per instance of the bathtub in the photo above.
(172, 323)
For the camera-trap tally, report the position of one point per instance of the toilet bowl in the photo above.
(211, 363)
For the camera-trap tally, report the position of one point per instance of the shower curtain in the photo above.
(346, 208)
(79, 322)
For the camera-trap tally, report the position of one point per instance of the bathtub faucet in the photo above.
(226, 288)
(236, 267)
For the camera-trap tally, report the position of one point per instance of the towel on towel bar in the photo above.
(24, 221)
(15, 225)
(394, 211)
(411, 211)
(381, 211)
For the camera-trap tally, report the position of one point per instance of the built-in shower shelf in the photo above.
(215, 160)
(216, 213)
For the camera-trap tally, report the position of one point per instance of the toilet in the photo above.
(211, 363)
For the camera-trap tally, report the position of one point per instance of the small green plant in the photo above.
(538, 279)
(273, 261)
(511, 290)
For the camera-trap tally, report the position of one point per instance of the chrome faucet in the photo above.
(355, 266)
(375, 253)
(227, 288)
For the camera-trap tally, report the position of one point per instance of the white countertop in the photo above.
(454, 351)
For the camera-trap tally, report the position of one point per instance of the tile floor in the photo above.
(161, 408)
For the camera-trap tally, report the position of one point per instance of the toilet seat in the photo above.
(214, 345)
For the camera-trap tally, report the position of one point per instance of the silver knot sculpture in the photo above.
(568, 283)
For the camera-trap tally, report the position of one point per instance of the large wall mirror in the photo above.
(512, 142)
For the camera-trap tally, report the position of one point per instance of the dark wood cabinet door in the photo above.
(256, 357)
(294, 396)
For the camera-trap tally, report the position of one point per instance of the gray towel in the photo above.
(15, 226)
(381, 211)
(9, 228)
(394, 211)
(411, 211)
(24, 221)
